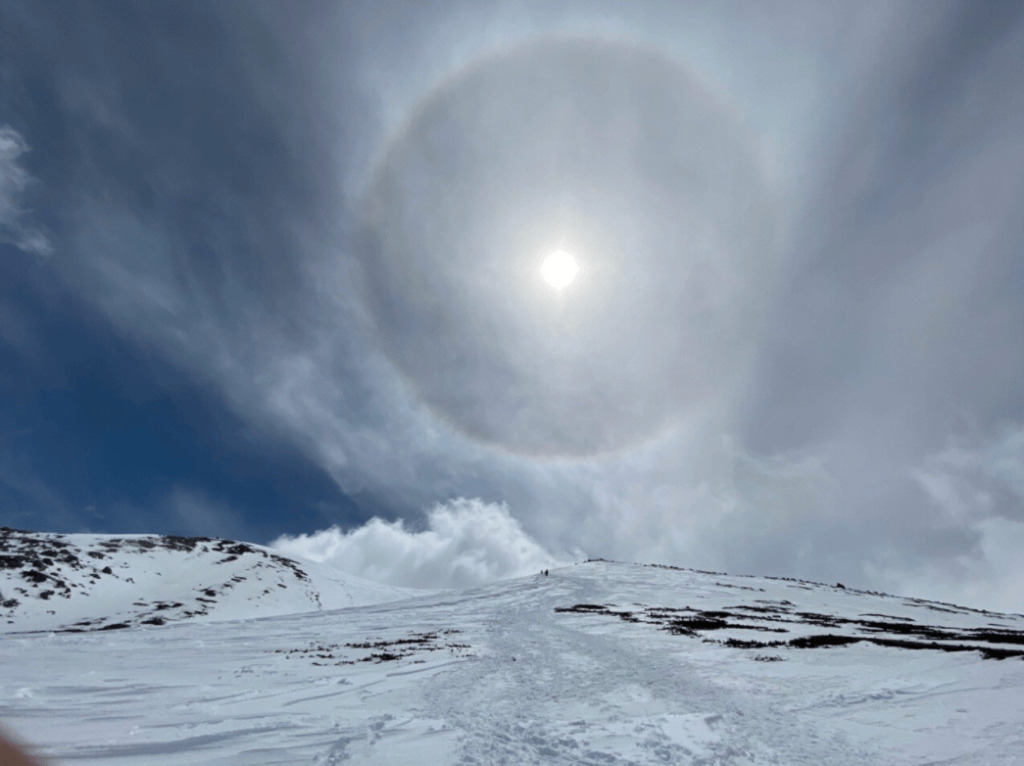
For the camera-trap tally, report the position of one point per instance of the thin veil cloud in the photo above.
(800, 279)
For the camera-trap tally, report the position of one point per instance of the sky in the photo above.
(271, 271)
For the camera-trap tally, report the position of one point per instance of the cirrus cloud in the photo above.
(14, 179)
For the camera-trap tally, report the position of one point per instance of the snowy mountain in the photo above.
(77, 583)
(598, 663)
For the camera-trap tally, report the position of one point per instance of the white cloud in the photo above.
(14, 179)
(467, 542)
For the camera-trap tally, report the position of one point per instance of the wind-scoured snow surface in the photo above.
(598, 663)
(102, 582)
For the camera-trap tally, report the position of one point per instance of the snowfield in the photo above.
(599, 663)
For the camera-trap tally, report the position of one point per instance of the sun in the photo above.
(559, 269)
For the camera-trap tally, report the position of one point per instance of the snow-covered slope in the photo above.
(600, 663)
(101, 582)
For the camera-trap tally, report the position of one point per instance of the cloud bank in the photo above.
(466, 542)
(975, 487)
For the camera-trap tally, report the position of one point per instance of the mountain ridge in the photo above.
(85, 582)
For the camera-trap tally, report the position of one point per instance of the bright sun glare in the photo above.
(559, 269)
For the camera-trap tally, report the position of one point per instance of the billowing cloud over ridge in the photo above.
(466, 542)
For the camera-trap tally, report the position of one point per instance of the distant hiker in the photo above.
(545, 573)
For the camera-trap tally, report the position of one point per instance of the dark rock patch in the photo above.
(380, 650)
(900, 633)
